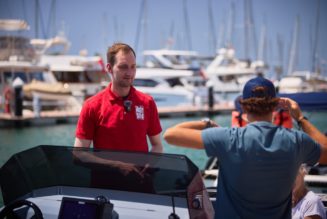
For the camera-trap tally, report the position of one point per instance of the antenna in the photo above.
(173, 215)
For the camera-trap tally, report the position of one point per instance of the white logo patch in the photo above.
(139, 112)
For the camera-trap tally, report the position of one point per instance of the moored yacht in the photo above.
(174, 59)
(308, 89)
(227, 74)
(20, 61)
(163, 87)
(302, 81)
(82, 74)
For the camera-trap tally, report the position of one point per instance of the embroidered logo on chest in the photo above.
(139, 110)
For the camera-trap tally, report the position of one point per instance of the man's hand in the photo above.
(292, 106)
(128, 168)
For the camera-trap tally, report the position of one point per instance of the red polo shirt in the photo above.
(105, 121)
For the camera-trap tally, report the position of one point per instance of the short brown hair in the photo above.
(115, 48)
(259, 105)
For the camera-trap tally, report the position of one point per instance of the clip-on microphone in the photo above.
(128, 105)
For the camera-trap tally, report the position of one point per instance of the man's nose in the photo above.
(130, 71)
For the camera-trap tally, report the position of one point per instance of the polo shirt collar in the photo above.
(114, 97)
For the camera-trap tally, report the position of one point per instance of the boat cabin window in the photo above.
(10, 77)
(97, 76)
(17, 48)
(26, 77)
(227, 78)
(151, 62)
(21, 75)
(228, 62)
(36, 76)
(174, 82)
(195, 81)
(70, 77)
(145, 83)
(80, 77)
(176, 60)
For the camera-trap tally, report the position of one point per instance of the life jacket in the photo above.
(280, 118)
(283, 118)
(238, 119)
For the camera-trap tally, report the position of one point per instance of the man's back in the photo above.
(257, 168)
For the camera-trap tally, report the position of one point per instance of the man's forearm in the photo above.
(82, 142)
(197, 125)
(319, 137)
(157, 148)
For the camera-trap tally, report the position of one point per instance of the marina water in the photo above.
(13, 140)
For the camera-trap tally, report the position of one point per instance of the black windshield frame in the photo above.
(48, 165)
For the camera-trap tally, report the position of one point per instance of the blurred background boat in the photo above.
(228, 74)
(19, 61)
(83, 75)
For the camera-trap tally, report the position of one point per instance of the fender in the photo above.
(8, 95)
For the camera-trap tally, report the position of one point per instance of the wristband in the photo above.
(207, 121)
(300, 120)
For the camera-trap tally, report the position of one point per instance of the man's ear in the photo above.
(109, 68)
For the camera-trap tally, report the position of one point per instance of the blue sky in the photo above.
(94, 25)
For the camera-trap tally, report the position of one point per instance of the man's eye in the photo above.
(123, 67)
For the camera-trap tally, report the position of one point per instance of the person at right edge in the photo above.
(306, 204)
(258, 162)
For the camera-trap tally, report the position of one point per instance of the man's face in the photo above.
(123, 71)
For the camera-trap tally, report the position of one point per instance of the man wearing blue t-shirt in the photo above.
(258, 163)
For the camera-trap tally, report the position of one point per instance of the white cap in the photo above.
(18, 82)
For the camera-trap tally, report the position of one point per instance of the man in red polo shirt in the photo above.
(120, 117)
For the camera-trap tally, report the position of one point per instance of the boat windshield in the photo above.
(48, 166)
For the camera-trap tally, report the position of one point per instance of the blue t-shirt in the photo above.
(257, 168)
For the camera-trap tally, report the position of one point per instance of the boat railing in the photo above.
(41, 101)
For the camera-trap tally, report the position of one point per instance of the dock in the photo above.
(190, 111)
(60, 116)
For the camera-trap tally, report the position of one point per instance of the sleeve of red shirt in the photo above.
(86, 123)
(154, 126)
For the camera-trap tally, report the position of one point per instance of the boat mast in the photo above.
(279, 68)
(294, 46)
(212, 29)
(37, 9)
(145, 25)
(315, 41)
(187, 26)
(39, 20)
(230, 26)
(169, 43)
(139, 26)
(249, 30)
(262, 43)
